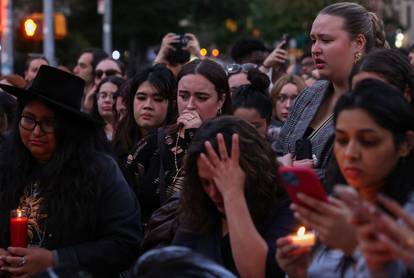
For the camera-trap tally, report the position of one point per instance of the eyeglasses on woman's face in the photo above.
(30, 123)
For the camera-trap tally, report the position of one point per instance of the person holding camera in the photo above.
(176, 50)
(341, 34)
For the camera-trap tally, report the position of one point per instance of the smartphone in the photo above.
(303, 149)
(285, 38)
(302, 180)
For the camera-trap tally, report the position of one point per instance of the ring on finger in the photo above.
(22, 261)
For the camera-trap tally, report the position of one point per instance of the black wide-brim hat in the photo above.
(60, 89)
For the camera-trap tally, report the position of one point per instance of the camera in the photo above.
(182, 42)
(177, 55)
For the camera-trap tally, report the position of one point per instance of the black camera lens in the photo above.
(177, 55)
(184, 40)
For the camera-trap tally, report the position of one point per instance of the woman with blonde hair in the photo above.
(283, 94)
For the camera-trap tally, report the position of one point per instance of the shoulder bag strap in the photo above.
(322, 126)
(161, 174)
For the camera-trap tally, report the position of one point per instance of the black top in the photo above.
(216, 247)
(308, 132)
(105, 248)
(143, 168)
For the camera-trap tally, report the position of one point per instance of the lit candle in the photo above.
(18, 228)
(303, 239)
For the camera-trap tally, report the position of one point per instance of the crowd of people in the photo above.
(174, 172)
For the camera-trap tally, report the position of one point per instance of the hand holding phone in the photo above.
(302, 180)
(286, 39)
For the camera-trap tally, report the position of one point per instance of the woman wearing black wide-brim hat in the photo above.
(80, 210)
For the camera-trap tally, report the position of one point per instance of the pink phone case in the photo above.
(302, 180)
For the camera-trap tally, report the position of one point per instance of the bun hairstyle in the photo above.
(258, 79)
(254, 95)
(357, 20)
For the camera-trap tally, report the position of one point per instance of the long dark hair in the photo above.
(390, 110)
(68, 181)
(116, 80)
(128, 132)
(262, 189)
(390, 64)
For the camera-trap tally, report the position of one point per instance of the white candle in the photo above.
(303, 239)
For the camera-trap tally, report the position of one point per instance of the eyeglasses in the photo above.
(110, 72)
(236, 68)
(29, 123)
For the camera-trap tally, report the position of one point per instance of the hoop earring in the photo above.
(357, 57)
(219, 112)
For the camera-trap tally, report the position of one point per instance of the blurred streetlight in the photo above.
(116, 55)
(30, 27)
(203, 52)
(399, 39)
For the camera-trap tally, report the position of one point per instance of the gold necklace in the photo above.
(177, 170)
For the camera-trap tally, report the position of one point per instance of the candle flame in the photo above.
(19, 213)
(301, 231)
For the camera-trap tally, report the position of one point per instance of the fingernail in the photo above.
(382, 197)
(373, 210)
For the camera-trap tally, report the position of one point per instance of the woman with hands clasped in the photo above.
(232, 208)
(373, 145)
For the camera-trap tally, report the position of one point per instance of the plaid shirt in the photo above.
(304, 110)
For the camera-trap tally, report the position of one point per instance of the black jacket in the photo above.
(106, 248)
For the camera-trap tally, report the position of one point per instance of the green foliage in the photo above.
(288, 16)
(138, 25)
